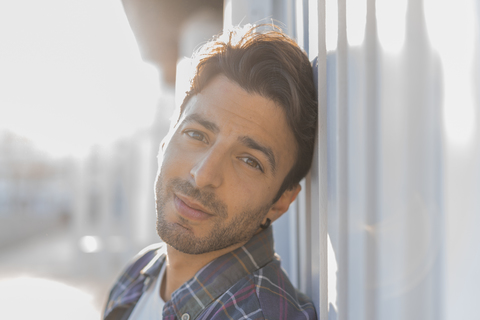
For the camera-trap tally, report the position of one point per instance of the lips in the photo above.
(190, 210)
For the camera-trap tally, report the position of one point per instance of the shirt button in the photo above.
(185, 316)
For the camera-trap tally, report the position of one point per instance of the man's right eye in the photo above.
(196, 135)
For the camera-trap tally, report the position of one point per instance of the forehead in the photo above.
(238, 113)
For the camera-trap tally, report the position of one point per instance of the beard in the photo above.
(223, 234)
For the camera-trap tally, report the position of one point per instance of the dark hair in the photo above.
(272, 65)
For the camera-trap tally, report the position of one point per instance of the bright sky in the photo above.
(71, 74)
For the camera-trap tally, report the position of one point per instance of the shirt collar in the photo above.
(152, 269)
(219, 275)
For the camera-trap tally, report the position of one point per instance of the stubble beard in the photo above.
(223, 233)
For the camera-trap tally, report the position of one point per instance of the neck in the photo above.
(181, 267)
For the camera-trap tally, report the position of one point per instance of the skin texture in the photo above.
(220, 170)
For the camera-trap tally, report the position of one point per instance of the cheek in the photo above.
(243, 197)
(173, 160)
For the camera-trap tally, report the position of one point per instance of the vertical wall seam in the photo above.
(342, 166)
(322, 165)
(372, 131)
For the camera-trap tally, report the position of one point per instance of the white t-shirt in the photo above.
(150, 305)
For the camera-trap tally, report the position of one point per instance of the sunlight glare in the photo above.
(331, 21)
(332, 274)
(299, 23)
(454, 41)
(72, 75)
(313, 29)
(356, 21)
(182, 81)
(90, 244)
(227, 14)
(37, 298)
(391, 23)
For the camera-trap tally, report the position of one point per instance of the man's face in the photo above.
(222, 168)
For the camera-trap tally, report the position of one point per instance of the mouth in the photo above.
(190, 210)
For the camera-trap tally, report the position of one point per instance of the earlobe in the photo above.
(282, 204)
(266, 224)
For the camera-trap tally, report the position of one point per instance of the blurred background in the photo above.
(87, 90)
(386, 226)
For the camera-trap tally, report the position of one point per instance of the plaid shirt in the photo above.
(247, 283)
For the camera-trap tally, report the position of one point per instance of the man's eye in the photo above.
(196, 135)
(252, 163)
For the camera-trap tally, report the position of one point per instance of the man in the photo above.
(230, 165)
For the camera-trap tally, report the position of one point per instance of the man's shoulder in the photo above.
(277, 295)
(266, 293)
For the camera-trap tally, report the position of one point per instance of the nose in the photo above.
(208, 170)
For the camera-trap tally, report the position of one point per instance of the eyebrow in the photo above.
(245, 140)
(249, 142)
(195, 117)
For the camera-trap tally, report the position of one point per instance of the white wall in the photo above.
(396, 176)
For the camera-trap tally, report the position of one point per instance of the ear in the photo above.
(282, 204)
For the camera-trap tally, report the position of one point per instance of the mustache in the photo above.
(207, 199)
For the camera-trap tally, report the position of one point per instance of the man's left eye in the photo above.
(252, 163)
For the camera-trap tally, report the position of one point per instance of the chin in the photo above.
(184, 239)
